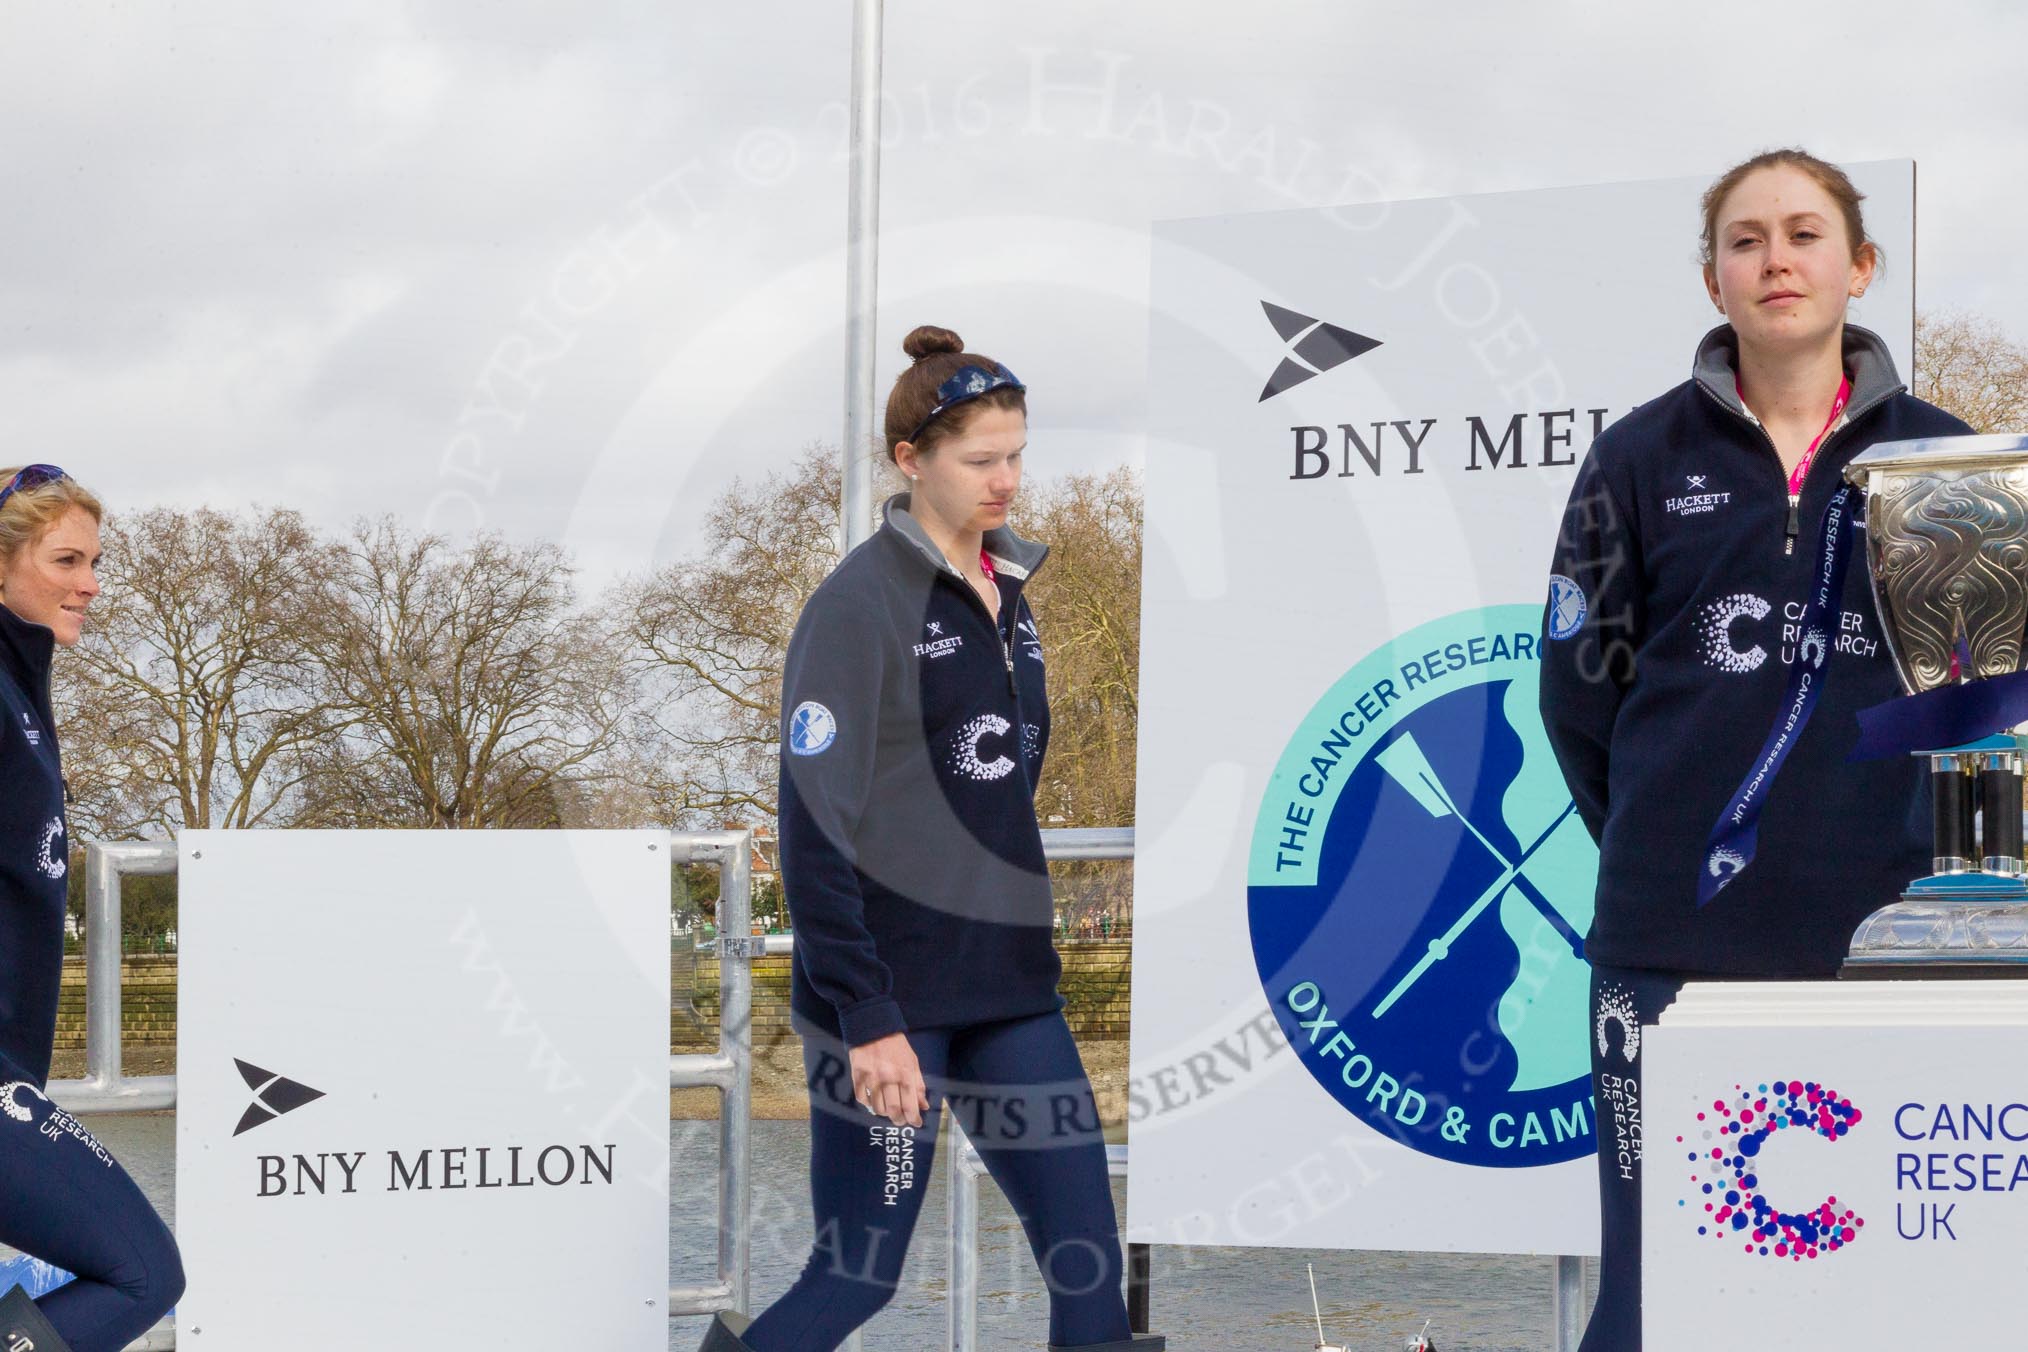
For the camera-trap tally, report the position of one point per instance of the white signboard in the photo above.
(1867, 1184)
(423, 1090)
(1352, 835)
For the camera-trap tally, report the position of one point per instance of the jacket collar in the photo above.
(26, 651)
(1013, 557)
(1868, 365)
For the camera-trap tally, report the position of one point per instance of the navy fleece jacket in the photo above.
(913, 735)
(1694, 569)
(34, 852)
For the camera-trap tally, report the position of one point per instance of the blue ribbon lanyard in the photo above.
(1736, 835)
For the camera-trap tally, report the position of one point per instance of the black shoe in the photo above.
(1139, 1342)
(22, 1327)
(723, 1335)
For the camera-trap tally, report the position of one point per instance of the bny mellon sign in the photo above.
(1356, 855)
(423, 1090)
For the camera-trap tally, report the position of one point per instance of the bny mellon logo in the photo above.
(1314, 348)
(273, 1095)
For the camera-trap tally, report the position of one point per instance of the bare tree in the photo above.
(106, 754)
(1965, 364)
(481, 693)
(1087, 604)
(190, 702)
(712, 631)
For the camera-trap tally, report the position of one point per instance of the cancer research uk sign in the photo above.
(423, 1090)
(1866, 1184)
(1359, 997)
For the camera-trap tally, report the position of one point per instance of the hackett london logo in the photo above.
(274, 1095)
(1314, 348)
(1696, 499)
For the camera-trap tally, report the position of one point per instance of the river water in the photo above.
(1205, 1299)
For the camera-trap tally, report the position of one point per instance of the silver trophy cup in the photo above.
(1947, 547)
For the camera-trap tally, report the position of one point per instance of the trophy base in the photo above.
(1948, 925)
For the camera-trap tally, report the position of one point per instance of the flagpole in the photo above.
(862, 272)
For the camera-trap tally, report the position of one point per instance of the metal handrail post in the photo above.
(961, 1245)
(1064, 844)
(862, 272)
(735, 1039)
(1571, 1310)
(102, 968)
(105, 1087)
(728, 1070)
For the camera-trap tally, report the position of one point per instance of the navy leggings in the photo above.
(1020, 1092)
(1623, 1001)
(65, 1200)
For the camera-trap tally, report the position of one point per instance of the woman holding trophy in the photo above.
(1700, 597)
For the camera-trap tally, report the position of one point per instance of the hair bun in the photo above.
(929, 340)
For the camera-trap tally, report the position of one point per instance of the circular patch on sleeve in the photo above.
(811, 729)
(1567, 607)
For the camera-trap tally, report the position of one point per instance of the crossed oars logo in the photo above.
(1406, 764)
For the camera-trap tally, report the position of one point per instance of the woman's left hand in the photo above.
(888, 1080)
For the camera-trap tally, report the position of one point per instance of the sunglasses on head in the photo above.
(31, 476)
(968, 384)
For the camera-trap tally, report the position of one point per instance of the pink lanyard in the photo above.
(1837, 407)
(1803, 465)
(986, 560)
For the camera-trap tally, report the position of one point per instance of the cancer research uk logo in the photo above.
(1726, 1194)
(1418, 891)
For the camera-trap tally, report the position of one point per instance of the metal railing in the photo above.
(728, 1070)
(105, 1088)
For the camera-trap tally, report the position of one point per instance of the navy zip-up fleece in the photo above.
(34, 851)
(1694, 571)
(913, 736)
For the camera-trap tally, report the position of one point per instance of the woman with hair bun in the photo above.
(63, 1198)
(1680, 627)
(915, 722)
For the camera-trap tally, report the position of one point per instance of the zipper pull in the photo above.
(1007, 651)
(1795, 524)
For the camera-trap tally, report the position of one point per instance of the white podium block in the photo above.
(423, 1088)
(1846, 1158)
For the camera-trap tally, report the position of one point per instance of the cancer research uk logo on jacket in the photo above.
(1418, 891)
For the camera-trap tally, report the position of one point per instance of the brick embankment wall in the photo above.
(147, 1002)
(1096, 986)
(1095, 989)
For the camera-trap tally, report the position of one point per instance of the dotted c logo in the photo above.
(1725, 1179)
(1714, 632)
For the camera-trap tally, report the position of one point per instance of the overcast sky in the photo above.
(563, 271)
